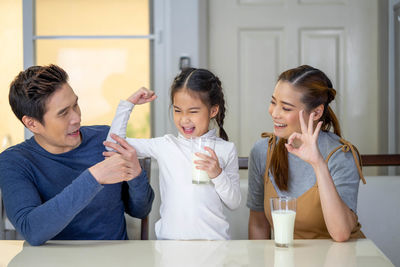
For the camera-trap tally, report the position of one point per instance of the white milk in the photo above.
(283, 226)
(198, 176)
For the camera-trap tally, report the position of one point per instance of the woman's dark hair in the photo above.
(31, 88)
(207, 87)
(316, 89)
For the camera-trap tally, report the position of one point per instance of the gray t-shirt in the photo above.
(341, 165)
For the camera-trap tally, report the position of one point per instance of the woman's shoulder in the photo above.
(327, 142)
(331, 143)
(259, 149)
(261, 143)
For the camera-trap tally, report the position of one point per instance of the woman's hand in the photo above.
(305, 144)
(209, 164)
(142, 96)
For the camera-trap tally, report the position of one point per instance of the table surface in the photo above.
(362, 252)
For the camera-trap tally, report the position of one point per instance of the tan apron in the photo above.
(309, 222)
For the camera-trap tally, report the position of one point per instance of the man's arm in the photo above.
(37, 221)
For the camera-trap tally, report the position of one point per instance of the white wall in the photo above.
(378, 213)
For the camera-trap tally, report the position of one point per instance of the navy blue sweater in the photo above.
(54, 196)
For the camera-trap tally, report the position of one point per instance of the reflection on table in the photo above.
(361, 252)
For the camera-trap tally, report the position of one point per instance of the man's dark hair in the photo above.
(31, 88)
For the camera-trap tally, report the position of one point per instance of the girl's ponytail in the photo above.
(218, 95)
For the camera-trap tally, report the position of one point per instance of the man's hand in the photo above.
(142, 96)
(119, 166)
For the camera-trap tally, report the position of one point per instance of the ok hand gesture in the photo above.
(305, 144)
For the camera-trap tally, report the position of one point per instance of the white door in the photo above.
(253, 41)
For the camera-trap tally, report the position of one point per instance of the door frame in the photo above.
(393, 92)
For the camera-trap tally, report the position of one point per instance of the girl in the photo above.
(189, 211)
(321, 169)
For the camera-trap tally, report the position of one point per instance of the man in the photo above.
(57, 184)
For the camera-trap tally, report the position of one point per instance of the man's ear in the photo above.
(31, 123)
(214, 111)
(318, 111)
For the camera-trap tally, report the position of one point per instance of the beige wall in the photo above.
(10, 65)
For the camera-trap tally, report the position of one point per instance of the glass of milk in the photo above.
(283, 211)
(198, 144)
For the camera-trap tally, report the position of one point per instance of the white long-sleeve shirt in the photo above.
(188, 211)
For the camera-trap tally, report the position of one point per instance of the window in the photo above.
(105, 48)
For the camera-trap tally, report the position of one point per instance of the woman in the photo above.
(321, 169)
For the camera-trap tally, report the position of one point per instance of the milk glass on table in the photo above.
(283, 211)
(198, 144)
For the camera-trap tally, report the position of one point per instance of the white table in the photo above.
(308, 253)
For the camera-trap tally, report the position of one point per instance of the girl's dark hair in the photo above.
(31, 88)
(316, 89)
(207, 87)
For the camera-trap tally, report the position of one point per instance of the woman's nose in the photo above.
(274, 112)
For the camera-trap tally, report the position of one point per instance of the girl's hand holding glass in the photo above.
(208, 164)
(142, 96)
(308, 148)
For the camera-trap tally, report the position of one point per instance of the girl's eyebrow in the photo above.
(192, 108)
(286, 103)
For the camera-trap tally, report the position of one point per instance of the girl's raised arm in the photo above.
(121, 118)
